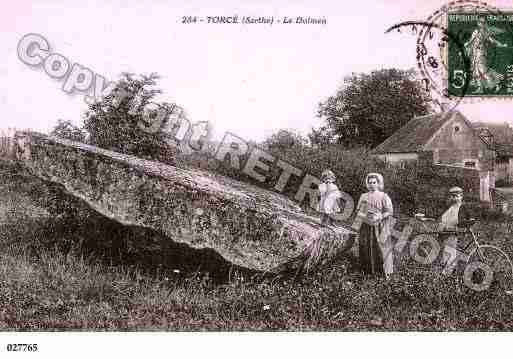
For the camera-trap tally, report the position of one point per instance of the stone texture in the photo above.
(248, 226)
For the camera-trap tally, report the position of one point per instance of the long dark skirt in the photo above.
(371, 258)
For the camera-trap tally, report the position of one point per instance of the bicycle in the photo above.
(497, 260)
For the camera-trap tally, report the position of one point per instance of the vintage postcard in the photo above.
(313, 166)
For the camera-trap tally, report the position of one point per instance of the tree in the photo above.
(65, 129)
(321, 137)
(368, 108)
(132, 123)
(283, 140)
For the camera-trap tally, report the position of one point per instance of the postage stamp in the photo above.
(464, 52)
(487, 38)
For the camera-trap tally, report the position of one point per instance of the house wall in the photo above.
(456, 143)
(509, 171)
(504, 171)
(438, 178)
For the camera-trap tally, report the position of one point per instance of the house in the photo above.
(450, 137)
(502, 134)
(449, 142)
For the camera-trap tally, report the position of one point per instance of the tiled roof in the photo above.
(415, 134)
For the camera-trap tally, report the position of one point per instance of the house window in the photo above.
(471, 164)
(456, 129)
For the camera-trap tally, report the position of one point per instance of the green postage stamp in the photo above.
(486, 40)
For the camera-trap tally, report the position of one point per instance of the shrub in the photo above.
(117, 124)
(349, 164)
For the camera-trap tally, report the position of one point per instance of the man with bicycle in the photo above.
(453, 219)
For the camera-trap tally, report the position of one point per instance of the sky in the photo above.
(248, 79)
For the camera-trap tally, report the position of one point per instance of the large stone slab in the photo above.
(248, 226)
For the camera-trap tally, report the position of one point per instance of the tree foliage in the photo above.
(119, 123)
(283, 140)
(321, 137)
(65, 129)
(368, 108)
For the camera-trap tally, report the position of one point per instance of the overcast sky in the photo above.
(248, 79)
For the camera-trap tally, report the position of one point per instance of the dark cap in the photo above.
(455, 190)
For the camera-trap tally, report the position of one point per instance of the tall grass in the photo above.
(59, 291)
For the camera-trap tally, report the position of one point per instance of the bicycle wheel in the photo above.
(498, 262)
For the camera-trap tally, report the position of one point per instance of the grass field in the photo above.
(57, 275)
